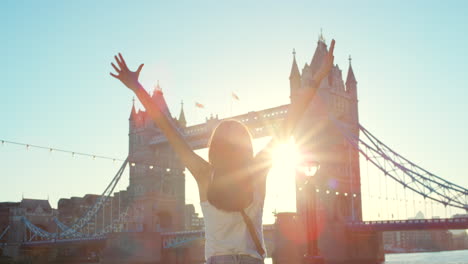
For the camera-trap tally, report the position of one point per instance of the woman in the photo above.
(232, 183)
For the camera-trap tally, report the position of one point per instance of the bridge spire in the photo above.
(158, 87)
(320, 52)
(294, 77)
(321, 38)
(294, 69)
(350, 79)
(133, 112)
(182, 120)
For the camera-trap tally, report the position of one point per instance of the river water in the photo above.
(444, 257)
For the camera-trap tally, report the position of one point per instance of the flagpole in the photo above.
(199, 106)
(233, 97)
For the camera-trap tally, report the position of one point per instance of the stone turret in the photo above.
(351, 89)
(133, 113)
(350, 79)
(132, 120)
(320, 52)
(133, 117)
(294, 78)
(182, 120)
(310, 69)
(158, 98)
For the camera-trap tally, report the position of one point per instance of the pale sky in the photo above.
(409, 58)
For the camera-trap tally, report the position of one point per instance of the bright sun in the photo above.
(281, 186)
(286, 156)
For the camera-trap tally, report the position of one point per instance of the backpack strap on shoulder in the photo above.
(253, 234)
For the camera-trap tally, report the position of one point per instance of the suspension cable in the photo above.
(397, 200)
(386, 196)
(428, 185)
(406, 203)
(369, 194)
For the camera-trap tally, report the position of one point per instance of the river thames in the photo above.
(444, 257)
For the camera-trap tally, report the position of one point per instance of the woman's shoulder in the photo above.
(203, 184)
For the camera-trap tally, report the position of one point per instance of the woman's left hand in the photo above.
(127, 77)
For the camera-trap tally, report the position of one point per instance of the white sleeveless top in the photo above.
(226, 232)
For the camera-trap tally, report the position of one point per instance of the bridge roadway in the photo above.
(74, 241)
(178, 239)
(412, 224)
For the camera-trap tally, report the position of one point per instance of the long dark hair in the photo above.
(231, 154)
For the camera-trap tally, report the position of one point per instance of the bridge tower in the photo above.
(332, 196)
(157, 180)
(318, 138)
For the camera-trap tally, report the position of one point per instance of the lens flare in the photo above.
(281, 180)
(286, 156)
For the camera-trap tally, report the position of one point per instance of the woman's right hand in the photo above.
(127, 77)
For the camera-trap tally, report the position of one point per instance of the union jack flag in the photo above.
(235, 96)
(197, 104)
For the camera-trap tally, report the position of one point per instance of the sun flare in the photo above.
(281, 181)
(286, 156)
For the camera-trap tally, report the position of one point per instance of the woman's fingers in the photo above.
(328, 63)
(118, 62)
(113, 75)
(122, 60)
(115, 68)
(332, 47)
(139, 68)
(330, 56)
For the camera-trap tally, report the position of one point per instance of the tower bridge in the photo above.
(147, 226)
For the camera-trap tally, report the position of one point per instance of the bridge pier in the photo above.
(336, 243)
(175, 256)
(289, 239)
(368, 247)
(339, 245)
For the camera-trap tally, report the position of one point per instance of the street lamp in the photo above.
(308, 168)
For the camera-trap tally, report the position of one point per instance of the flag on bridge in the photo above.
(235, 96)
(198, 105)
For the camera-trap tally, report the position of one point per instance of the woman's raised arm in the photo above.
(199, 168)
